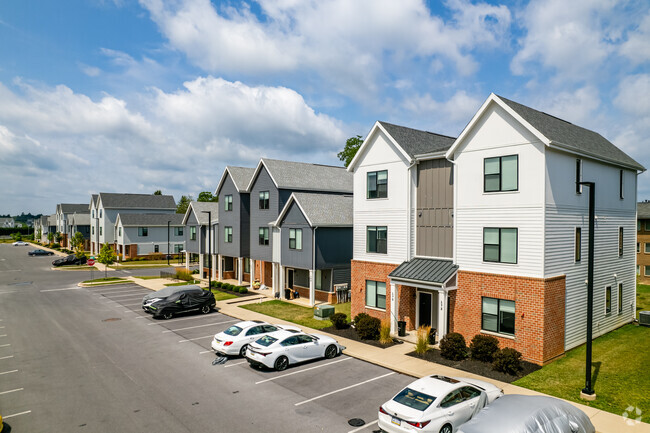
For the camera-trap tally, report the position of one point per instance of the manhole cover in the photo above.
(112, 319)
(356, 422)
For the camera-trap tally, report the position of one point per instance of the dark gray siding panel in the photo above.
(342, 276)
(301, 277)
(326, 280)
(262, 217)
(231, 218)
(244, 225)
(294, 219)
(435, 203)
(333, 247)
(191, 246)
(285, 194)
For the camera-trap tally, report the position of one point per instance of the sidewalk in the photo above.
(395, 358)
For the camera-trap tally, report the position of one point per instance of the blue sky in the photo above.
(135, 96)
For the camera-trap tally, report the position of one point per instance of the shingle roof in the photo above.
(416, 142)
(93, 199)
(200, 206)
(308, 177)
(51, 220)
(80, 219)
(151, 219)
(72, 208)
(5, 219)
(426, 270)
(241, 177)
(136, 201)
(326, 209)
(643, 209)
(572, 136)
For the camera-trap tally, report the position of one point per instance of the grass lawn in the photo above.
(620, 362)
(152, 262)
(221, 296)
(295, 313)
(136, 267)
(642, 298)
(183, 283)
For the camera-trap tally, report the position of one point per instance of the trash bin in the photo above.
(432, 336)
(287, 293)
(401, 328)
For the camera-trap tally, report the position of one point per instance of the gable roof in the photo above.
(136, 201)
(93, 200)
(198, 207)
(305, 176)
(72, 208)
(241, 176)
(51, 220)
(435, 271)
(320, 209)
(149, 219)
(643, 209)
(80, 219)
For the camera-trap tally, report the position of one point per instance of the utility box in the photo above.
(322, 312)
(644, 318)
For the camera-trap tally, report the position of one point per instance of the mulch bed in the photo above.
(241, 295)
(477, 367)
(351, 334)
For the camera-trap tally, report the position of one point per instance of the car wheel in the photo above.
(167, 315)
(281, 363)
(50, 254)
(331, 351)
(446, 429)
(242, 351)
(206, 309)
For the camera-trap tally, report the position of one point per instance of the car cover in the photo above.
(529, 414)
(170, 290)
(185, 300)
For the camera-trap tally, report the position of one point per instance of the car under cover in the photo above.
(168, 291)
(181, 302)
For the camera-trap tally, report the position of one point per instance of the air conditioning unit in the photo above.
(644, 318)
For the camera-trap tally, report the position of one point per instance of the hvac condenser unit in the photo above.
(644, 318)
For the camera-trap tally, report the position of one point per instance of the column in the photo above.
(201, 264)
(220, 266)
(214, 266)
(312, 288)
(442, 313)
(187, 260)
(281, 284)
(252, 266)
(240, 270)
(393, 308)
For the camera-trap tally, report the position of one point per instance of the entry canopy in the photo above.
(427, 271)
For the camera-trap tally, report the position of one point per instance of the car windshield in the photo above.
(233, 330)
(266, 341)
(414, 399)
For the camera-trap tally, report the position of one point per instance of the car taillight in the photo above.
(381, 409)
(227, 343)
(420, 424)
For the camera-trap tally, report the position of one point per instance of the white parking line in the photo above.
(344, 389)
(2, 327)
(300, 371)
(3, 335)
(4, 293)
(132, 305)
(202, 316)
(141, 317)
(11, 390)
(16, 414)
(5, 345)
(7, 372)
(122, 296)
(364, 426)
(60, 290)
(206, 351)
(197, 338)
(7, 357)
(237, 363)
(117, 292)
(200, 326)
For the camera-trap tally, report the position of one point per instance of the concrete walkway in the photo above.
(395, 358)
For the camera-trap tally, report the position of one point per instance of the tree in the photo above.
(106, 256)
(77, 243)
(183, 203)
(38, 235)
(207, 196)
(352, 145)
(50, 237)
(58, 237)
(157, 192)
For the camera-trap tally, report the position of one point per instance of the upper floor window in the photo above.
(500, 245)
(647, 225)
(578, 176)
(501, 174)
(119, 231)
(178, 231)
(295, 239)
(93, 213)
(621, 184)
(192, 233)
(227, 234)
(638, 225)
(638, 247)
(498, 315)
(620, 241)
(608, 299)
(100, 213)
(93, 229)
(377, 239)
(578, 244)
(264, 235)
(620, 298)
(377, 184)
(100, 231)
(143, 231)
(228, 202)
(264, 199)
(646, 248)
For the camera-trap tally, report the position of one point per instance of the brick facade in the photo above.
(362, 271)
(539, 311)
(321, 296)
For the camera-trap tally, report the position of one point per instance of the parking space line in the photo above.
(202, 316)
(200, 326)
(11, 390)
(206, 351)
(132, 305)
(3, 335)
(122, 296)
(238, 363)
(5, 345)
(300, 371)
(118, 292)
(4, 293)
(364, 426)
(60, 290)
(16, 414)
(197, 338)
(142, 317)
(2, 327)
(7, 372)
(344, 389)
(7, 357)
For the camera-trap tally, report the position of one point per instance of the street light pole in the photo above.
(588, 391)
(209, 248)
(168, 222)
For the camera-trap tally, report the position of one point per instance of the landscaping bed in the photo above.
(351, 334)
(302, 316)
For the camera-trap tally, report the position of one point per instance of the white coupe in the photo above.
(235, 340)
(436, 404)
(279, 349)
(20, 244)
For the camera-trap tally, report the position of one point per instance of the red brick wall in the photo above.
(362, 271)
(406, 305)
(267, 276)
(539, 311)
(328, 297)
(229, 275)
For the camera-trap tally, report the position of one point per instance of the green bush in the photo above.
(228, 287)
(368, 328)
(195, 271)
(217, 284)
(55, 245)
(243, 290)
(483, 347)
(358, 318)
(507, 360)
(184, 275)
(339, 320)
(453, 346)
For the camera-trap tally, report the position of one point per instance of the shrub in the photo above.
(483, 347)
(195, 271)
(55, 245)
(339, 320)
(384, 332)
(453, 346)
(183, 274)
(368, 328)
(243, 290)
(217, 284)
(228, 287)
(507, 360)
(358, 317)
(422, 341)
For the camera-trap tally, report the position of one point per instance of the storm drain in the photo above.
(356, 422)
(219, 360)
(112, 319)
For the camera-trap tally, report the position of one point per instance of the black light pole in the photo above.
(209, 248)
(588, 392)
(168, 222)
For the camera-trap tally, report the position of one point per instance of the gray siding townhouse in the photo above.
(201, 221)
(316, 245)
(234, 223)
(63, 213)
(48, 224)
(270, 188)
(145, 234)
(7, 222)
(80, 222)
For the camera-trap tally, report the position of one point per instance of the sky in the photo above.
(135, 96)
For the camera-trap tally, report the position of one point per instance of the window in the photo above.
(647, 225)
(646, 248)
(93, 229)
(319, 278)
(578, 176)
(192, 233)
(100, 213)
(178, 231)
(247, 266)
(295, 239)
(156, 249)
(620, 241)
(93, 213)
(264, 235)
(178, 248)
(621, 185)
(578, 244)
(498, 316)
(638, 247)
(143, 231)
(376, 294)
(638, 269)
(646, 271)
(264, 199)
(119, 231)
(377, 184)
(638, 226)
(501, 174)
(100, 231)
(228, 202)
(377, 239)
(500, 245)
(620, 298)
(227, 234)
(608, 299)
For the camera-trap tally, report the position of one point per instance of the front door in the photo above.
(290, 279)
(424, 309)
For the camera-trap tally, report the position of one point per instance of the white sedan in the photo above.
(235, 340)
(436, 404)
(20, 244)
(279, 349)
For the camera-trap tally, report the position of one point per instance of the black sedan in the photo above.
(69, 260)
(40, 253)
(183, 301)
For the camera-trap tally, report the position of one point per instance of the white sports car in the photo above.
(279, 349)
(235, 340)
(20, 244)
(437, 404)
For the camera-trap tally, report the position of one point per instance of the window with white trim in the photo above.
(192, 233)
(264, 199)
(620, 241)
(578, 245)
(227, 235)
(498, 315)
(377, 239)
(377, 184)
(142, 231)
(608, 299)
(501, 174)
(621, 184)
(500, 245)
(295, 239)
(156, 249)
(264, 235)
(620, 298)
(178, 231)
(376, 294)
(578, 176)
(228, 202)
(646, 271)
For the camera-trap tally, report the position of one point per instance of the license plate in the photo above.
(396, 421)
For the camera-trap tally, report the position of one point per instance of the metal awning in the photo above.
(425, 271)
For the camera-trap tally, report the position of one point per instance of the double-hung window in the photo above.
(264, 199)
(119, 231)
(100, 232)
(620, 298)
(621, 184)
(376, 294)
(501, 173)
(498, 315)
(578, 176)
(295, 239)
(178, 248)
(578, 244)
(156, 248)
(377, 239)
(178, 231)
(608, 299)
(500, 245)
(143, 231)
(647, 225)
(227, 234)
(228, 202)
(264, 235)
(192, 233)
(377, 184)
(620, 241)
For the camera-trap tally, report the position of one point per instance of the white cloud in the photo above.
(637, 46)
(579, 106)
(634, 95)
(452, 114)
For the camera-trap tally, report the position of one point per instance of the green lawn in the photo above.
(152, 262)
(136, 267)
(221, 296)
(295, 313)
(620, 361)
